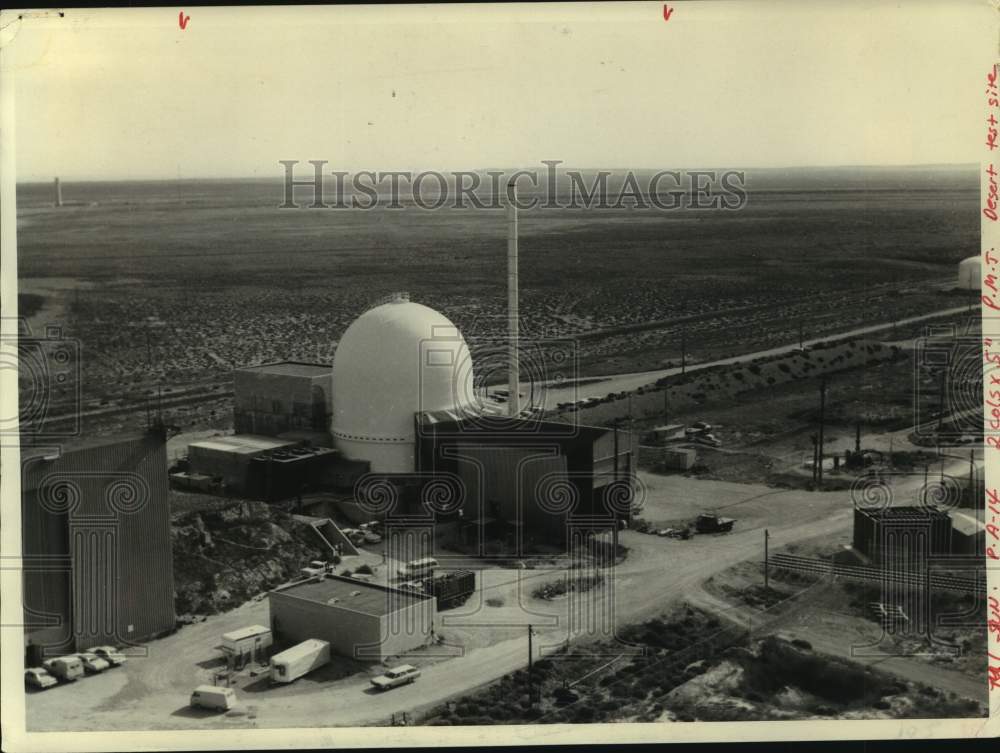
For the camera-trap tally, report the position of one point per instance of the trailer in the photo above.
(247, 643)
(299, 660)
(451, 589)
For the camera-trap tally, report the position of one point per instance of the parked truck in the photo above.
(450, 589)
(299, 660)
(708, 522)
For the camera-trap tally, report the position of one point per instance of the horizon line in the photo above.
(561, 168)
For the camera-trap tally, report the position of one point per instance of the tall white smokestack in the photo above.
(57, 199)
(514, 369)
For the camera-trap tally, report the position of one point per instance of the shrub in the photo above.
(365, 569)
(494, 601)
(584, 714)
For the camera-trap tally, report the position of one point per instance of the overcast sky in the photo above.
(119, 94)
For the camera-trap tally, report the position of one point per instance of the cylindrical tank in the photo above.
(970, 274)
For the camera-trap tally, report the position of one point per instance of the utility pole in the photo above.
(857, 438)
(801, 345)
(941, 401)
(683, 349)
(767, 535)
(923, 491)
(822, 419)
(513, 335)
(531, 683)
(815, 443)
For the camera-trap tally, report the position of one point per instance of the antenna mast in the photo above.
(513, 372)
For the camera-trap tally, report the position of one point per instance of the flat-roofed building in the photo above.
(358, 619)
(285, 397)
(228, 458)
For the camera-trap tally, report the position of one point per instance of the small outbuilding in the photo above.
(357, 618)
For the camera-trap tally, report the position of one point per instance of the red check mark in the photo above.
(183, 20)
(667, 12)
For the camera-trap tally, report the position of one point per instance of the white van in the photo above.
(299, 660)
(66, 668)
(416, 568)
(212, 697)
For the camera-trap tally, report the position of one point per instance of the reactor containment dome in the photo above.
(394, 361)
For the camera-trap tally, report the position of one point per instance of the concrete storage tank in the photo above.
(394, 361)
(969, 274)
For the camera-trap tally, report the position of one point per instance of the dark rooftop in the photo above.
(292, 368)
(370, 598)
(907, 511)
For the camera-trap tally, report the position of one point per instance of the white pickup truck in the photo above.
(396, 676)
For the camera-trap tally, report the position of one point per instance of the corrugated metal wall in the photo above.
(117, 528)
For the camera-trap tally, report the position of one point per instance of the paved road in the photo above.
(634, 380)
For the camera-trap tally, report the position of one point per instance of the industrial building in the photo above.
(903, 537)
(358, 619)
(403, 411)
(289, 400)
(98, 567)
(535, 476)
(247, 464)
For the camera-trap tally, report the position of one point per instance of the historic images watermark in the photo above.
(546, 188)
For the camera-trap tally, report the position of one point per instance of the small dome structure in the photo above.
(396, 360)
(970, 274)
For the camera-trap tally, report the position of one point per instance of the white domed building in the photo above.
(394, 361)
(969, 274)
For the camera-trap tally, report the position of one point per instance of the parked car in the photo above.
(212, 697)
(698, 427)
(66, 668)
(372, 538)
(92, 663)
(707, 439)
(111, 655)
(37, 677)
(401, 675)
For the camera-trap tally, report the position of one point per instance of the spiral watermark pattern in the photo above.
(943, 493)
(59, 495)
(127, 495)
(620, 497)
(870, 493)
(375, 494)
(443, 495)
(557, 494)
